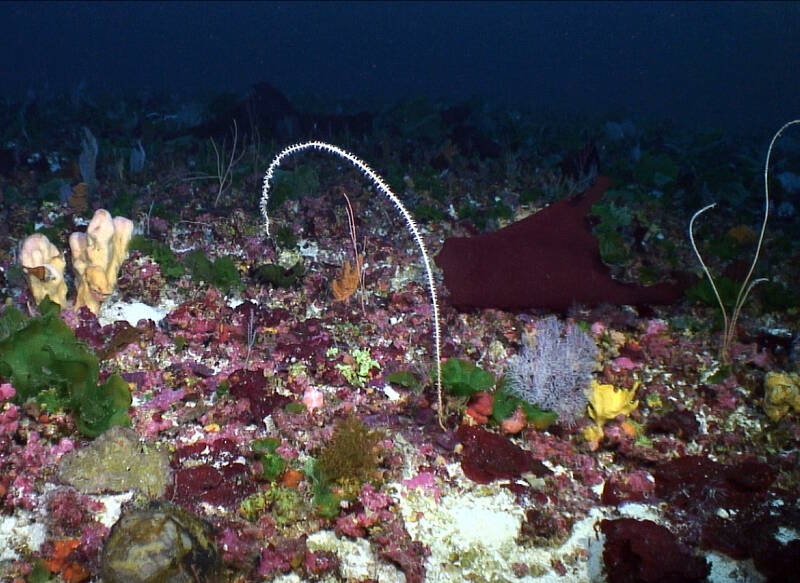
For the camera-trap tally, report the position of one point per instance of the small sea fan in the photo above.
(553, 369)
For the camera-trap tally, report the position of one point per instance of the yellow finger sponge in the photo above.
(44, 265)
(96, 257)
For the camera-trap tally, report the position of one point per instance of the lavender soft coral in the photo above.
(554, 368)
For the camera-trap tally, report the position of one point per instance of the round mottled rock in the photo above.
(116, 462)
(162, 544)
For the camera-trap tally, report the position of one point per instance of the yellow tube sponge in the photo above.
(781, 393)
(123, 231)
(96, 257)
(44, 265)
(606, 403)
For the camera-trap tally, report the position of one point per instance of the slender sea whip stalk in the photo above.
(729, 325)
(384, 189)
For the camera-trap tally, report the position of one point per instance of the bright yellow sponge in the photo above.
(606, 403)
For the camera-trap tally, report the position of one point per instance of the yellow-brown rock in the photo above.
(781, 394)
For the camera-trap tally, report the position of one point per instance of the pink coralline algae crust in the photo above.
(199, 320)
(7, 392)
(641, 551)
(680, 423)
(692, 482)
(254, 386)
(372, 500)
(88, 328)
(426, 482)
(274, 562)
(220, 481)
(544, 526)
(68, 511)
(238, 544)
(93, 536)
(21, 466)
(488, 456)
(9, 412)
(261, 316)
(374, 511)
(637, 486)
(545, 446)
(657, 346)
(395, 545)
(141, 279)
(305, 340)
(374, 520)
(279, 556)
(319, 563)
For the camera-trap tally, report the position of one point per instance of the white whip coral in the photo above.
(384, 189)
(729, 324)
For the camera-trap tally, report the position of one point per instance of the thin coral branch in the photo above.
(225, 162)
(706, 270)
(357, 258)
(411, 225)
(225, 170)
(729, 330)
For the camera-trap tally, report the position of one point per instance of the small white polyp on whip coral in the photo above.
(384, 189)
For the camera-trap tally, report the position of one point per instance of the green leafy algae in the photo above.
(42, 354)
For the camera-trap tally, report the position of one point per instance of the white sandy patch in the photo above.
(20, 533)
(357, 561)
(132, 312)
(113, 504)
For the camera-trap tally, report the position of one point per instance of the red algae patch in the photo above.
(488, 456)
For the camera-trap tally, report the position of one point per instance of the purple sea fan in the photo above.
(553, 369)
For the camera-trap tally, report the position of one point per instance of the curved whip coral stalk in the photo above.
(384, 189)
(729, 326)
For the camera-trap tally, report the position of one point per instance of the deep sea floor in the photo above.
(278, 419)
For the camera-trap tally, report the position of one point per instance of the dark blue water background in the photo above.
(732, 65)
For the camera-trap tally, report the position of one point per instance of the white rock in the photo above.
(113, 507)
(19, 531)
(132, 312)
(357, 562)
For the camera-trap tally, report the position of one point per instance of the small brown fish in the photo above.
(39, 272)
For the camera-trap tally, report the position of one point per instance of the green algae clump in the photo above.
(350, 458)
(284, 504)
(272, 464)
(464, 378)
(42, 354)
(359, 371)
